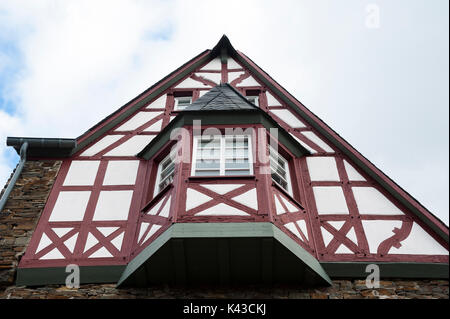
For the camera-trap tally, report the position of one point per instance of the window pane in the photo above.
(166, 171)
(233, 160)
(207, 173)
(207, 164)
(279, 167)
(237, 172)
(279, 181)
(237, 164)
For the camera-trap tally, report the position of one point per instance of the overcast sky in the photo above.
(382, 85)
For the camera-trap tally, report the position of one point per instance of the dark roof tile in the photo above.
(221, 98)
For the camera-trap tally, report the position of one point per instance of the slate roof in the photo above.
(223, 97)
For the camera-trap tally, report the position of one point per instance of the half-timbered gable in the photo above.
(216, 173)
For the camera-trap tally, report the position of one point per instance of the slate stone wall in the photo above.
(21, 213)
(341, 289)
(24, 207)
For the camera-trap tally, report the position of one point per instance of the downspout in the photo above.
(17, 172)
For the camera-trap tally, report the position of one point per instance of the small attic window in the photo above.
(181, 102)
(253, 99)
(253, 96)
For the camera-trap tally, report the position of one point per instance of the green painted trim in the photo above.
(301, 253)
(223, 230)
(388, 270)
(58, 275)
(222, 118)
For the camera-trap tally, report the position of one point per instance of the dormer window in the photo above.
(219, 155)
(166, 170)
(253, 99)
(279, 167)
(181, 102)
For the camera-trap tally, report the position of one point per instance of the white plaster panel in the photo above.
(202, 92)
(378, 231)
(70, 243)
(191, 84)
(113, 205)
(215, 77)
(315, 139)
(144, 227)
(137, 120)
(152, 230)
(336, 224)
(70, 206)
(289, 118)
(117, 242)
(81, 173)
(121, 173)
(213, 65)
(342, 249)
(221, 188)
(101, 253)
(195, 198)
(330, 200)
(303, 144)
(234, 75)
(166, 209)
(280, 210)
(370, 201)
(91, 241)
(54, 254)
(101, 145)
(322, 168)
(419, 242)
(271, 100)
(132, 146)
(154, 127)
(352, 235)
(302, 225)
(248, 199)
(352, 173)
(222, 210)
(61, 231)
(291, 208)
(250, 81)
(326, 235)
(106, 231)
(293, 229)
(44, 242)
(155, 208)
(232, 64)
(159, 103)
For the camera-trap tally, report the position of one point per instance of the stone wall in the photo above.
(20, 216)
(341, 289)
(21, 213)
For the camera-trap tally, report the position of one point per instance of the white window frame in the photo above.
(222, 154)
(158, 174)
(288, 175)
(177, 100)
(256, 99)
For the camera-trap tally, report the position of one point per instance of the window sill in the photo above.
(285, 193)
(220, 177)
(157, 197)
